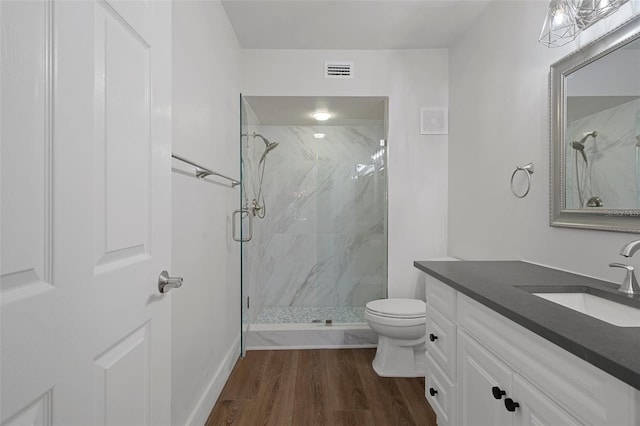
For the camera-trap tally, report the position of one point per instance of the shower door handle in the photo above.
(242, 212)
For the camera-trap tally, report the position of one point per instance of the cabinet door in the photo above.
(440, 393)
(535, 409)
(478, 373)
(441, 341)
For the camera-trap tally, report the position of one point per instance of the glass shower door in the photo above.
(244, 278)
(245, 216)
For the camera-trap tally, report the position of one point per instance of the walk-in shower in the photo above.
(320, 252)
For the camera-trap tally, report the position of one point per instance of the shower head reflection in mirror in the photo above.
(603, 164)
(579, 146)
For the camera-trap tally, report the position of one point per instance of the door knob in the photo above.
(166, 283)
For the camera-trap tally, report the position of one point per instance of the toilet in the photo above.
(401, 328)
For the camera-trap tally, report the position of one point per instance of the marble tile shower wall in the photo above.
(614, 163)
(323, 241)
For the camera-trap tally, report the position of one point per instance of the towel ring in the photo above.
(529, 171)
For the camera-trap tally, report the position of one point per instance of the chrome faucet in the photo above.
(630, 284)
(630, 249)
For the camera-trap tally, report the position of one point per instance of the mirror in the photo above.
(595, 134)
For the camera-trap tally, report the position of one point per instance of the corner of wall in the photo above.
(499, 120)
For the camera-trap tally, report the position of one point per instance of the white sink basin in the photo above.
(596, 307)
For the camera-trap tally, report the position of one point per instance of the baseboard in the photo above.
(300, 347)
(211, 393)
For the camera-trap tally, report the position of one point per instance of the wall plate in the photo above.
(434, 121)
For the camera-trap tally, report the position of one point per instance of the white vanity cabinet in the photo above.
(489, 356)
(490, 393)
(441, 368)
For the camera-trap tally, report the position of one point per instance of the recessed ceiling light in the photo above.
(318, 135)
(321, 116)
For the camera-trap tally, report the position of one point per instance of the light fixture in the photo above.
(567, 18)
(321, 115)
(318, 135)
(560, 25)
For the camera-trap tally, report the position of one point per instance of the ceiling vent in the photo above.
(335, 69)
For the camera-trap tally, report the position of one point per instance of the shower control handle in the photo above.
(166, 283)
(433, 337)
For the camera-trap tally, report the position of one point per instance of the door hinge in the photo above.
(248, 304)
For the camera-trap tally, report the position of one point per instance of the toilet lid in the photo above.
(398, 308)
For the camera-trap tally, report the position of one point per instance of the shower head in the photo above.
(579, 146)
(270, 147)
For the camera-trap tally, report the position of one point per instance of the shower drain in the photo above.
(326, 322)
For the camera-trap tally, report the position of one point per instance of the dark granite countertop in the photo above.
(504, 286)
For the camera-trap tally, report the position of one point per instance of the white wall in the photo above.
(417, 164)
(499, 118)
(206, 310)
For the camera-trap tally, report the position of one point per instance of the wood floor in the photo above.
(329, 387)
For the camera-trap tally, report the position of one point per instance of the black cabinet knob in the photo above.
(432, 392)
(433, 337)
(510, 404)
(497, 392)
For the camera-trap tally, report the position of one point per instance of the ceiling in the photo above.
(297, 110)
(350, 24)
(343, 24)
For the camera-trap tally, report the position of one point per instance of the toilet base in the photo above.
(400, 358)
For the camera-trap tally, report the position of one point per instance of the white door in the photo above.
(85, 219)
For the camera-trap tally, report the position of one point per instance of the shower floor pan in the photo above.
(307, 327)
(310, 314)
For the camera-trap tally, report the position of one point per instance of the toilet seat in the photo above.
(397, 308)
(394, 321)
